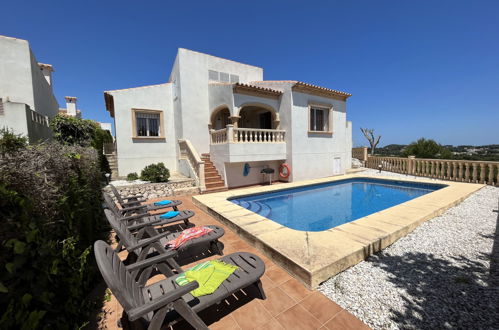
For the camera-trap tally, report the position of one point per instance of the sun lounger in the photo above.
(135, 203)
(155, 220)
(144, 239)
(165, 302)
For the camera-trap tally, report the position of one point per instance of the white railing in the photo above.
(455, 170)
(246, 135)
(256, 135)
(189, 153)
(219, 136)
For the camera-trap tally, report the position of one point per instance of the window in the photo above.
(222, 76)
(319, 119)
(213, 75)
(234, 78)
(147, 123)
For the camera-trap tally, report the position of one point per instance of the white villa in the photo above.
(27, 101)
(218, 121)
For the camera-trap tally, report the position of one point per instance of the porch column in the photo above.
(230, 133)
(234, 120)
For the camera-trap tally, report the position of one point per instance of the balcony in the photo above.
(247, 144)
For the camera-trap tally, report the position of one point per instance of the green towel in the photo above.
(210, 275)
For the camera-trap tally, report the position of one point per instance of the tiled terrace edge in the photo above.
(313, 257)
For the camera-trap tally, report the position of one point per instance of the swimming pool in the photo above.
(324, 206)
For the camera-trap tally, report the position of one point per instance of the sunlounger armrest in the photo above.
(147, 241)
(133, 208)
(134, 217)
(156, 304)
(152, 261)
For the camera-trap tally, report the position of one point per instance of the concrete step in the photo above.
(210, 172)
(219, 184)
(213, 179)
(214, 190)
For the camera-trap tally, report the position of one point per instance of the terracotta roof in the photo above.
(109, 100)
(255, 90)
(300, 86)
(64, 111)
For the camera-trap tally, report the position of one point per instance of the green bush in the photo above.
(82, 132)
(50, 206)
(155, 173)
(132, 176)
(11, 142)
(427, 148)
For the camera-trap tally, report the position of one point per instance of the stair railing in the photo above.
(196, 164)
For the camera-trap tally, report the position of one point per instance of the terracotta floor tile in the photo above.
(251, 315)
(277, 275)
(345, 321)
(277, 301)
(267, 283)
(272, 325)
(320, 306)
(226, 322)
(298, 318)
(295, 289)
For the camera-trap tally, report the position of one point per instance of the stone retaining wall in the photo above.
(155, 190)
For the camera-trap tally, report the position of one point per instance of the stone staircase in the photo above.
(213, 180)
(113, 164)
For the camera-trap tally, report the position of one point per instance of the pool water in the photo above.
(324, 206)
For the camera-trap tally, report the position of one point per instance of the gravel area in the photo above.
(443, 275)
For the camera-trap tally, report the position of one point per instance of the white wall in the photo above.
(192, 77)
(312, 154)
(22, 81)
(135, 154)
(45, 102)
(235, 177)
(15, 71)
(17, 116)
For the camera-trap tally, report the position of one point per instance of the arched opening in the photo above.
(254, 116)
(220, 118)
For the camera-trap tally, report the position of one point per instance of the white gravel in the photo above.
(443, 275)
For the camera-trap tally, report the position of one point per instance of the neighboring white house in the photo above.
(27, 101)
(225, 111)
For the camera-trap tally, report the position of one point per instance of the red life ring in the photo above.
(284, 174)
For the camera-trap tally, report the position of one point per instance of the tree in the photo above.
(82, 132)
(427, 148)
(373, 141)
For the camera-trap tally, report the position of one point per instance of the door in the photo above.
(336, 165)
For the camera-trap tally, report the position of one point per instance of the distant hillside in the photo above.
(486, 152)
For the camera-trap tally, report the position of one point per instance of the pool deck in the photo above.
(313, 257)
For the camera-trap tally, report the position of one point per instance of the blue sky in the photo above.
(415, 68)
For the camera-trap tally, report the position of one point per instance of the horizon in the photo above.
(414, 69)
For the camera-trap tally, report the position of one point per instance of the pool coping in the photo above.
(313, 257)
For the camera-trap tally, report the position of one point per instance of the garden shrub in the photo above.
(132, 176)
(51, 214)
(11, 142)
(155, 173)
(82, 132)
